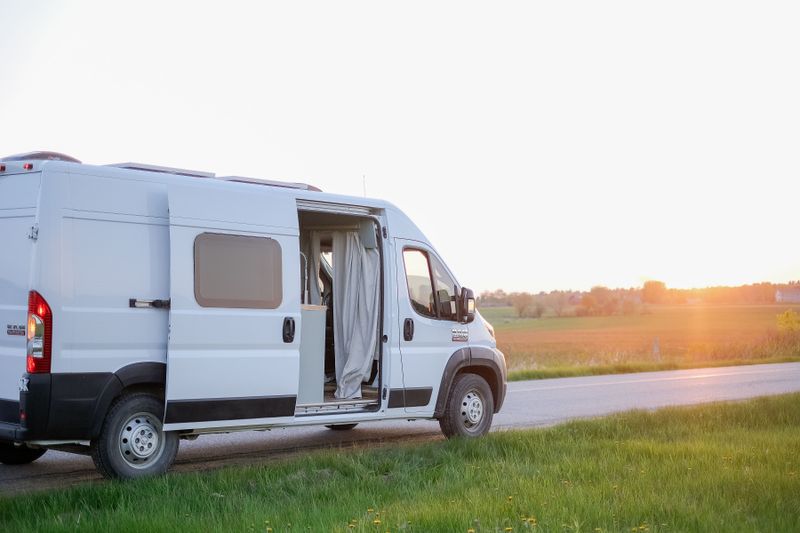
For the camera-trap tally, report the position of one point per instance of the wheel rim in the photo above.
(140, 440)
(472, 409)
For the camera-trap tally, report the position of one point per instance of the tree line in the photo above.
(605, 301)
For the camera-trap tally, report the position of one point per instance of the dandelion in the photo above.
(509, 529)
(370, 510)
(510, 498)
(470, 530)
(377, 521)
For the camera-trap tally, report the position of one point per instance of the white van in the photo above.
(143, 305)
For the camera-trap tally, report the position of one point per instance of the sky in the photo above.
(539, 146)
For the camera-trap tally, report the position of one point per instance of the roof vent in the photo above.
(166, 170)
(40, 156)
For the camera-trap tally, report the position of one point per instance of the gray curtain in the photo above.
(356, 276)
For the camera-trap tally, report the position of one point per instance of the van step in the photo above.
(336, 406)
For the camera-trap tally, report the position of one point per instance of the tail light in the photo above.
(40, 334)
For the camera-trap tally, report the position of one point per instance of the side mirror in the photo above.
(466, 305)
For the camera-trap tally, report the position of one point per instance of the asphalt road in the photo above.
(528, 404)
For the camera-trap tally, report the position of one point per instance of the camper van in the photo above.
(142, 305)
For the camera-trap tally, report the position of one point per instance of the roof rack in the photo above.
(166, 170)
(271, 183)
(40, 156)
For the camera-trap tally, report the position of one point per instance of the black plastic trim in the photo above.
(74, 405)
(151, 373)
(411, 397)
(35, 403)
(485, 360)
(9, 411)
(10, 432)
(183, 411)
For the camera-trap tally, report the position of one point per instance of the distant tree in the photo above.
(521, 301)
(588, 305)
(558, 302)
(654, 292)
(628, 307)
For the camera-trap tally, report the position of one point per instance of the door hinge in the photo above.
(385, 233)
(33, 234)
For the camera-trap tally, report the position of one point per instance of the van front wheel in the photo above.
(469, 409)
(19, 455)
(132, 443)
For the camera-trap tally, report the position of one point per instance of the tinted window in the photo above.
(418, 277)
(237, 271)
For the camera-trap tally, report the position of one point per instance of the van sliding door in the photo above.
(233, 349)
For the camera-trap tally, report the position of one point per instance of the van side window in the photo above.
(237, 271)
(418, 277)
(445, 290)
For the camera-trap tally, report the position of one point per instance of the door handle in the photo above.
(288, 329)
(408, 329)
(146, 304)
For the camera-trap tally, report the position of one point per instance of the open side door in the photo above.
(233, 349)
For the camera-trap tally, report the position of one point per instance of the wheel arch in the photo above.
(137, 377)
(482, 361)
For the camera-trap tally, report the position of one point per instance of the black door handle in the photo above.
(288, 329)
(408, 329)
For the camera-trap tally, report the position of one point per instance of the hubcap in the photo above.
(140, 440)
(472, 409)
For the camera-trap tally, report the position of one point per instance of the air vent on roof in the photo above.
(166, 170)
(40, 156)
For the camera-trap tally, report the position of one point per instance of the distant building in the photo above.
(787, 296)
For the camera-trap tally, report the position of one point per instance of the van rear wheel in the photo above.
(19, 455)
(132, 443)
(469, 408)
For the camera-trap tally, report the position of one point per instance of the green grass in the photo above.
(662, 338)
(720, 467)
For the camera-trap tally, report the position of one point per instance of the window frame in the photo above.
(230, 303)
(436, 302)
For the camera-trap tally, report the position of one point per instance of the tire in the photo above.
(469, 408)
(341, 427)
(132, 444)
(19, 455)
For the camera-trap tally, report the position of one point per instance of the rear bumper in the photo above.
(59, 407)
(12, 432)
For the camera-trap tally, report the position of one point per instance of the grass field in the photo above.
(666, 337)
(721, 467)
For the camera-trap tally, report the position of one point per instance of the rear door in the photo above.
(18, 199)
(234, 275)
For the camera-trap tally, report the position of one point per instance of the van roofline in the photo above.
(299, 191)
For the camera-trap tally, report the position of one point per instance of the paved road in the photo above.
(528, 404)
